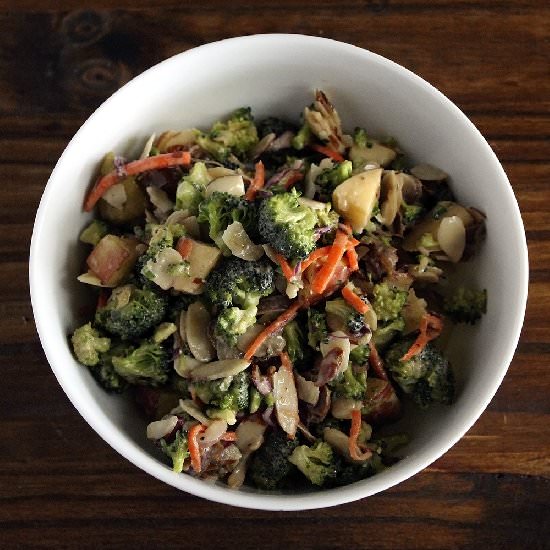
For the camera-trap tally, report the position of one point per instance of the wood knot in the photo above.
(84, 27)
(100, 75)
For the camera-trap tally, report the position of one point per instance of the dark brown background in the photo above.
(61, 485)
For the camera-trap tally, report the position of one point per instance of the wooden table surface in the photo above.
(61, 485)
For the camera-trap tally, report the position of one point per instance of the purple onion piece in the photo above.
(119, 164)
(284, 141)
(267, 417)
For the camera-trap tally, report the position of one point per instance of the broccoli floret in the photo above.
(326, 217)
(411, 213)
(177, 451)
(317, 330)
(270, 466)
(329, 179)
(274, 125)
(360, 137)
(287, 225)
(133, 316)
(94, 232)
(233, 322)
(466, 305)
(237, 135)
(106, 376)
(255, 400)
(295, 344)
(302, 138)
(221, 209)
(427, 376)
(388, 301)
(360, 354)
(349, 384)
(231, 393)
(315, 462)
(347, 473)
(189, 193)
(384, 334)
(236, 282)
(146, 365)
(88, 344)
(353, 322)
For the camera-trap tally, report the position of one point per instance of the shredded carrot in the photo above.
(157, 162)
(193, 443)
(257, 183)
(276, 325)
(314, 256)
(288, 272)
(184, 247)
(328, 152)
(335, 254)
(229, 436)
(430, 328)
(353, 259)
(354, 432)
(354, 242)
(353, 300)
(285, 360)
(295, 177)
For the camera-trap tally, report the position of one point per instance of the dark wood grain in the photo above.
(60, 484)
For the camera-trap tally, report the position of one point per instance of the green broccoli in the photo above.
(329, 179)
(360, 354)
(353, 322)
(131, 313)
(270, 467)
(233, 322)
(347, 472)
(302, 138)
(177, 451)
(388, 301)
(350, 384)
(106, 376)
(287, 225)
(231, 393)
(148, 364)
(315, 462)
(88, 344)
(411, 213)
(94, 232)
(317, 330)
(222, 209)
(295, 344)
(360, 137)
(427, 376)
(237, 135)
(466, 305)
(189, 193)
(385, 333)
(236, 282)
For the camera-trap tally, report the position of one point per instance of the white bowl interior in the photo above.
(276, 74)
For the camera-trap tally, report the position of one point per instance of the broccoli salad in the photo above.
(271, 293)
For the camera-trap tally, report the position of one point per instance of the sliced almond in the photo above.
(233, 185)
(451, 236)
(196, 325)
(219, 369)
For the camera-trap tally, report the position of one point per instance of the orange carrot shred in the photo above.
(193, 443)
(355, 430)
(288, 272)
(229, 436)
(272, 328)
(352, 259)
(314, 256)
(133, 168)
(257, 183)
(430, 327)
(184, 247)
(294, 178)
(335, 254)
(353, 300)
(328, 152)
(285, 360)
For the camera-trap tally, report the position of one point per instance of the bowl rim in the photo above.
(260, 500)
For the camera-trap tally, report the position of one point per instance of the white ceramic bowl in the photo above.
(276, 74)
